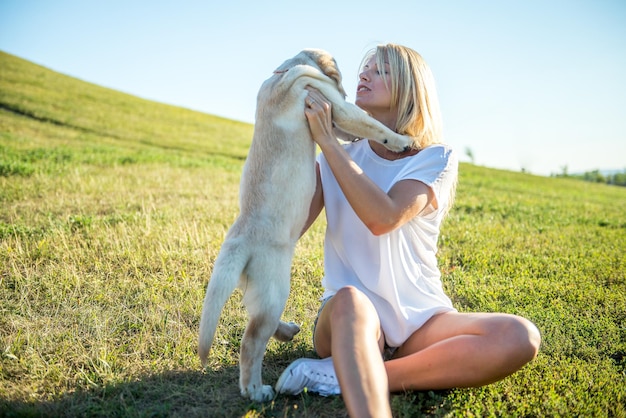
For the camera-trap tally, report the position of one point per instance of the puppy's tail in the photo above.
(228, 268)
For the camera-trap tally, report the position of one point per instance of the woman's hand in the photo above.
(318, 112)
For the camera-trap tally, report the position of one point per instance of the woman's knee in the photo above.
(346, 313)
(350, 303)
(521, 335)
(353, 312)
(531, 337)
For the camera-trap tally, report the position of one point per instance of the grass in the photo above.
(113, 209)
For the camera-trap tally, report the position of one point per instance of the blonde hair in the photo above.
(413, 92)
(414, 95)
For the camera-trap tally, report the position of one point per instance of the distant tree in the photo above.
(618, 179)
(469, 154)
(594, 176)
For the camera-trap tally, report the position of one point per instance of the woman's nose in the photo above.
(363, 76)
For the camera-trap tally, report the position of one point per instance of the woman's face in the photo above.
(372, 94)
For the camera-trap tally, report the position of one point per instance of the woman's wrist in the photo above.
(327, 144)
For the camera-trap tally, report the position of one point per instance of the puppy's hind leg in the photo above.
(226, 273)
(265, 295)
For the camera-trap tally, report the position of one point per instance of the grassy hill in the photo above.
(113, 208)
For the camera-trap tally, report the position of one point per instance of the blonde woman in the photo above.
(385, 324)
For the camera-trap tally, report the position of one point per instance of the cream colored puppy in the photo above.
(276, 189)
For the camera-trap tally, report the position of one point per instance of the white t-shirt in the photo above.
(398, 271)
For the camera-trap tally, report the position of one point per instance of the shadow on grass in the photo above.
(198, 393)
(184, 393)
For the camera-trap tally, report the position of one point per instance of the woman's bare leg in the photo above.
(349, 329)
(463, 350)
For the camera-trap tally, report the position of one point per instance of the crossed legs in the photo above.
(451, 350)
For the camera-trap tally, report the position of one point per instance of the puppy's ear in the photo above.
(285, 66)
(328, 65)
(304, 57)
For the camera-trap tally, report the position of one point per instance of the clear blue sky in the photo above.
(535, 85)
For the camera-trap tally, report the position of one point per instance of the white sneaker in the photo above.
(317, 376)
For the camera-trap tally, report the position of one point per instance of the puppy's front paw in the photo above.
(398, 143)
(263, 393)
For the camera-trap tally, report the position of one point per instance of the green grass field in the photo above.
(113, 209)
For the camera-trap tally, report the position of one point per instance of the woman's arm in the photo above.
(317, 203)
(381, 212)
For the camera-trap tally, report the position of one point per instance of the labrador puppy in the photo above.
(277, 185)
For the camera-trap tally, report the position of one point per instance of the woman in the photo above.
(383, 293)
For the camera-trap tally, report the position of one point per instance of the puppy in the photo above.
(277, 185)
